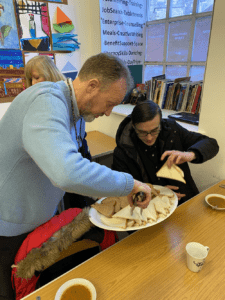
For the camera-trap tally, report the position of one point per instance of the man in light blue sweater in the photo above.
(39, 158)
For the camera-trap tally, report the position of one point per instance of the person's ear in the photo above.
(93, 86)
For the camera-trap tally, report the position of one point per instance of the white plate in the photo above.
(214, 195)
(95, 216)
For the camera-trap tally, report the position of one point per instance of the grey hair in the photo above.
(107, 69)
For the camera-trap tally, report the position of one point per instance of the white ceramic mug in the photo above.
(196, 255)
(76, 281)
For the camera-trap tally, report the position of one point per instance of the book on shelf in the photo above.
(182, 79)
(156, 95)
(169, 91)
(172, 96)
(198, 105)
(196, 98)
(179, 102)
(165, 92)
(188, 97)
(176, 95)
(158, 91)
(154, 84)
(191, 100)
(181, 97)
(162, 91)
(178, 82)
(148, 89)
(185, 98)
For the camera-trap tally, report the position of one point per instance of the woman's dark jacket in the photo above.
(128, 156)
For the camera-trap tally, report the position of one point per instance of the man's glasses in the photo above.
(153, 132)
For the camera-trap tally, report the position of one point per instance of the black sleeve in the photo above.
(120, 162)
(205, 147)
(198, 156)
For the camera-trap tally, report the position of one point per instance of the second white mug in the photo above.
(196, 255)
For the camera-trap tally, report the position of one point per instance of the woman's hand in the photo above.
(179, 196)
(140, 187)
(178, 157)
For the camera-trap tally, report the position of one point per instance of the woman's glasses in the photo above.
(153, 132)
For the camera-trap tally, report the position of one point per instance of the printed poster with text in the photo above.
(122, 29)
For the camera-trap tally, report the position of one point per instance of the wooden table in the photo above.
(151, 263)
(100, 144)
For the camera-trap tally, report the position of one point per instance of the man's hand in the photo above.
(177, 157)
(140, 187)
(171, 187)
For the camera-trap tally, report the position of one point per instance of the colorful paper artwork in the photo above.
(65, 42)
(37, 44)
(29, 55)
(8, 30)
(12, 77)
(33, 23)
(67, 64)
(24, 25)
(63, 30)
(62, 23)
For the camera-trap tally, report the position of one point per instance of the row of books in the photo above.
(180, 94)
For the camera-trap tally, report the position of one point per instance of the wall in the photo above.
(213, 103)
(87, 15)
(3, 108)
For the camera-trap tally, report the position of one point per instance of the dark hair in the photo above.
(107, 68)
(145, 111)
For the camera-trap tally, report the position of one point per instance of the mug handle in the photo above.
(207, 248)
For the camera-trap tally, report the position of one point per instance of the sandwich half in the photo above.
(174, 173)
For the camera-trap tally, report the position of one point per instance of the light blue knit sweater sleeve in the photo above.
(46, 136)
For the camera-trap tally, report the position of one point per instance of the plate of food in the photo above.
(114, 213)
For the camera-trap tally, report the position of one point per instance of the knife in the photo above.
(139, 197)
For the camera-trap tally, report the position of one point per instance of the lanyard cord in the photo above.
(78, 138)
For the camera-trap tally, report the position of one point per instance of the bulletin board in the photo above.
(31, 28)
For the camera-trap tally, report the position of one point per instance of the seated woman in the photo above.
(42, 68)
(145, 141)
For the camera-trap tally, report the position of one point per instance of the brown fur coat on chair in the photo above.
(48, 252)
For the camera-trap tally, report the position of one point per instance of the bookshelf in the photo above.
(179, 95)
